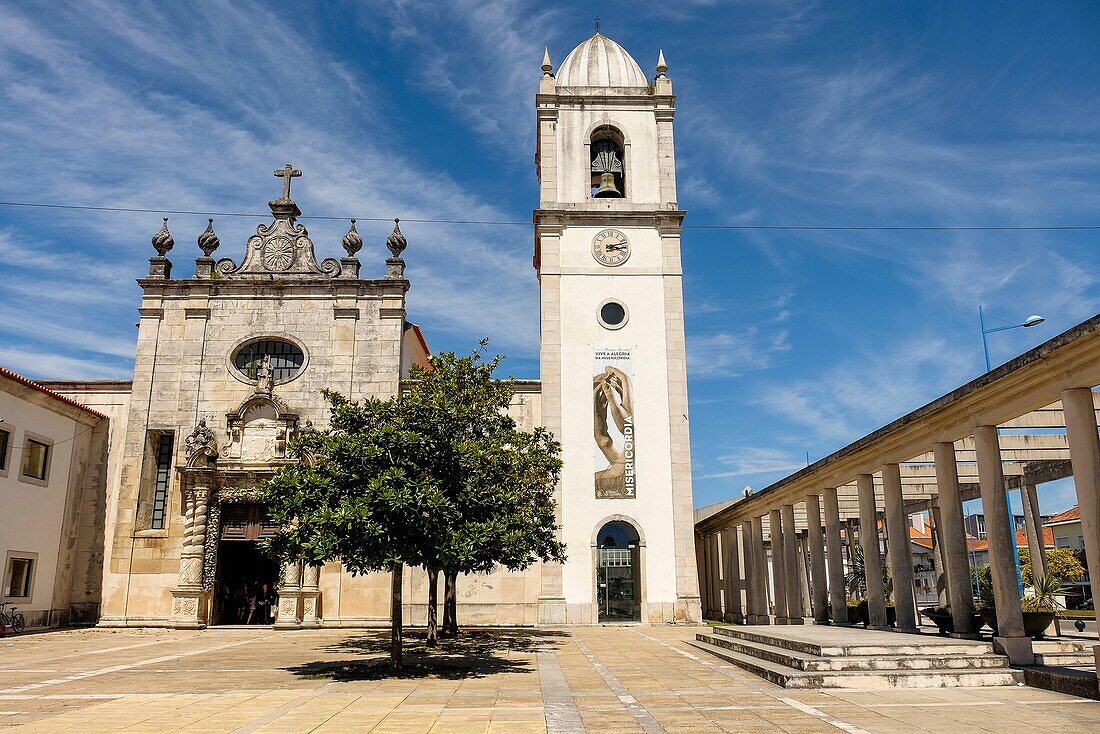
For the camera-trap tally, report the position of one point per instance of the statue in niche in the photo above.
(265, 377)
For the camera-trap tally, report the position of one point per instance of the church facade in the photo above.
(231, 361)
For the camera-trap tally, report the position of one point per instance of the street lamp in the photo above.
(1032, 320)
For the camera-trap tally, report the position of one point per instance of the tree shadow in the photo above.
(473, 654)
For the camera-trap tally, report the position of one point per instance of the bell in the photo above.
(607, 188)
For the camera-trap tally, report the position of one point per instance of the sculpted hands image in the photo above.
(612, 396)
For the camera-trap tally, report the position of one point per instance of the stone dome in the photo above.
(600, 62)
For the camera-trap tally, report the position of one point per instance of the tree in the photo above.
(1062, 565)
(498, 479)
(438, 477)
(366, 494)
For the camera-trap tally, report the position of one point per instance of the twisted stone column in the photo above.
(188, 598)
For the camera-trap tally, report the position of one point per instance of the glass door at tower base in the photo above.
(616, 585)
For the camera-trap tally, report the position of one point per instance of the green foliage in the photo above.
(981, 581)
(439, 477)
(1061, 563)
(1045, 589)
(856, 579)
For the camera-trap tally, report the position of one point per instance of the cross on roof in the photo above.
(286, 174)
(597, 24)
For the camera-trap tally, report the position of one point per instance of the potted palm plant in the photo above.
(1038, 609)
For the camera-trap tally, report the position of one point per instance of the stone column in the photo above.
(311, 595)
(1033, 529)
(731, 575)
(956, 564)
(760, 556)
(714, 580)
(872, 560)
(936, 534)
(701, 570)
(1001, 537)
(804, 585)
(818, 584)
(188, 598)
(790, 565)
(749, 558)
(779, 566)
(1084, 454)
(901, 556)
(290, 596)
(838, 597)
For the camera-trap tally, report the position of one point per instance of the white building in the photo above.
(52, 500)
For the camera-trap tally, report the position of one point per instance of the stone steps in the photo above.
(860, 662)
(885, 660)
(900, 644)
(1060, 653)
(787, 677)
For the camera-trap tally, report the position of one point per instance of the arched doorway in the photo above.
(618, 572)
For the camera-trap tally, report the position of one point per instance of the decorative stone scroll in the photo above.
(282, 248)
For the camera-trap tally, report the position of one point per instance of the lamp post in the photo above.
(1032, 320)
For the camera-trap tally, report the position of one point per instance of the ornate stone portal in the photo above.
(257, 432)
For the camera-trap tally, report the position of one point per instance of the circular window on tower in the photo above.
(612, 314)
(285, 358)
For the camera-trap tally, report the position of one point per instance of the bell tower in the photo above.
(613, 363)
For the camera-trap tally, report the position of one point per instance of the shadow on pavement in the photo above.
(474, 654)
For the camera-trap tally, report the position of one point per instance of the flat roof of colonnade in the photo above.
(1022, 394)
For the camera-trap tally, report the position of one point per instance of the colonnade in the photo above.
(747, 577)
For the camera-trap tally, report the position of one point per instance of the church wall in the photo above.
(189, 331)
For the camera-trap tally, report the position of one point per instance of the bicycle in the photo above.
(13, 621)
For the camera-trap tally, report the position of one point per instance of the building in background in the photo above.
(53, 463)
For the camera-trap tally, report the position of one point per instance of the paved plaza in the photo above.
(618, 679)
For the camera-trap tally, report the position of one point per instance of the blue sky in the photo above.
(787, 113)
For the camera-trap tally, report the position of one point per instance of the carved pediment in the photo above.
(258, 429)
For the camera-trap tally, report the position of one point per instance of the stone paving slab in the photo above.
(600, 679)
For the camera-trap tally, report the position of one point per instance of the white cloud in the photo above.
(745, 461)
(730, 354)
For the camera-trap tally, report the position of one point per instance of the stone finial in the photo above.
(159, 265)
(662, 67)
(162, 240)
(547, 65)
(395, 266)
(353, 243)
(396, 241)
(208, 241)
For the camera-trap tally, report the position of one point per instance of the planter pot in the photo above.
(945, 622)
(1035, 623)
(862, 616)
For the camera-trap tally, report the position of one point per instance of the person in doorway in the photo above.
(253, 603)
(263, 601)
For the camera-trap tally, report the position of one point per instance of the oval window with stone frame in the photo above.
(286, 359)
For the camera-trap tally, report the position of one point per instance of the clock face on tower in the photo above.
(610, 247)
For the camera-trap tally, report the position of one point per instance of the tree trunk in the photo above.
(433, 606)
(396, 660)
(450, 598)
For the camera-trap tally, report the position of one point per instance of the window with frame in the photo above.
(5, 442)
(18, 577)
(163, 479)
(36, 459)
(286, 359)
